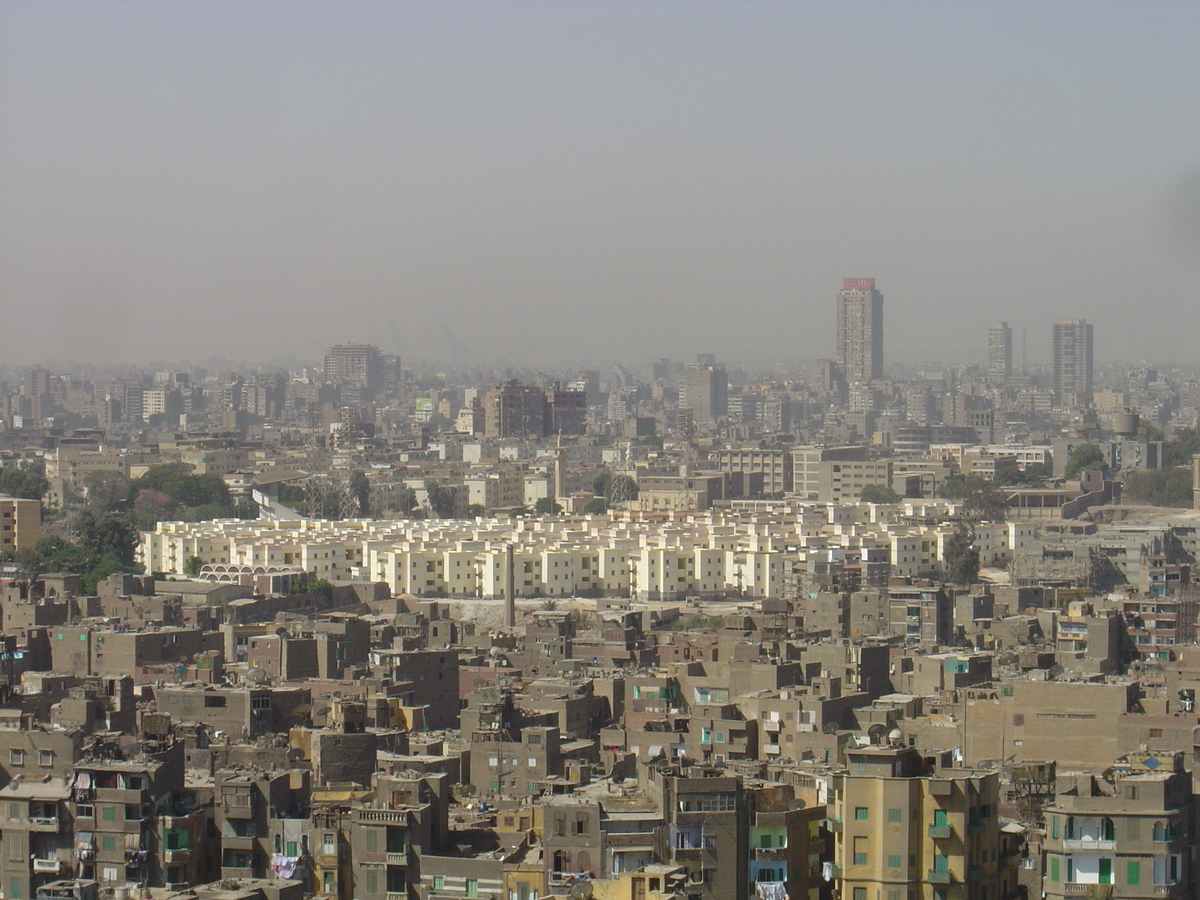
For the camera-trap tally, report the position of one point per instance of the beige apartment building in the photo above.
(836, 474)
(20, 523)
(903, 831)
(1127, 838)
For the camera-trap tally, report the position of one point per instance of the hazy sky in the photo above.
(594, 181)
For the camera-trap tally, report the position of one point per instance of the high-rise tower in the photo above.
(1072, 359)
(860, 330)
(1000, 352)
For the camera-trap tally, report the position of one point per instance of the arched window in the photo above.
(1160, 832)
(1108, 831)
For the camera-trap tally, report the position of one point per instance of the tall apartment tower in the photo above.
(1000, 352)
(359, 364)
(860, 330)
(1072, 358)
(706, 390)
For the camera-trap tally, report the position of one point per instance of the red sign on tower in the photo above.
(858, 284)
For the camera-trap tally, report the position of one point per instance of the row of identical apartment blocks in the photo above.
(739, 553)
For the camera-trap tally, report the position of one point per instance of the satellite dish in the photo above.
(179, 673)
(255, 675)
(295, 754)
(337, 695)
(281, 631)
(581, 890)
(467, 790)
(185, 659)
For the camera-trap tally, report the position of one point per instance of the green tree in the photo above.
(961, 558)
(1158, 487)
(475, 511)
(193, 565)
(981, 499)
(545, 506)
(26, 481)
(878, 493)
(1085, 456)
(360, 487)
(441, 499)
(597, 506)
(246, 509)
(1180, 449)
(106, 491)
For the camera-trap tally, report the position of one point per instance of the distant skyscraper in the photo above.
(706, 390)
(1072, 358)
(860, 330)
(1000, 352)
(359, 364)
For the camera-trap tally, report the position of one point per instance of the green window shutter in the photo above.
(1054, 870)
(1133, 872)
(1105, 870)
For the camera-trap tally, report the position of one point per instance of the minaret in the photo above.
(1196, 481)
(560, 474)
(510, 590)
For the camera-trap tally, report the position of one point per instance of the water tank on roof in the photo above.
(1126, 424)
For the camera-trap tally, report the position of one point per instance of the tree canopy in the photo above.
(1085, 456)
(26, 481)
(878, 493)
(1158, 487)
(961, 558)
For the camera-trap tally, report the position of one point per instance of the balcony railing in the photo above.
(937, 877)
(940, 831)
(1087, 844)
(42, 823)
(46, 865)
(397, 859)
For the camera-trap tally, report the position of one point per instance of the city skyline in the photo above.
(476, 183)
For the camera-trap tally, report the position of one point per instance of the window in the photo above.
(371, 840)
(214, 702)
(1133, 872)
(893, 862)
(14, 888)
(16, 757)
(860, 851)
(110, 873)
(860, 813)
(439, 882)
(108, 842)
(372, 880)
(472, 887)
(84, 811)
(45, 757)
(14, 810)
(133, 812)
(108, 813)
(860, 893)
(1055, 872)
(894, 815)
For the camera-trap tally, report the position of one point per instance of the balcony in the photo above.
(1077, 844)
(937, 877)
(46, 865)
(396, 895)
(384, 816)
(763, 854)
(40, 823)
(940, 831)
(180, 855)
(397, 859)
(835, 825)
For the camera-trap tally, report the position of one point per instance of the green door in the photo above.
(1105, 870)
